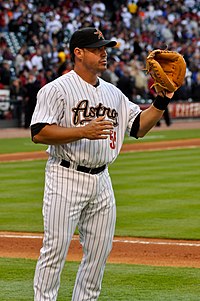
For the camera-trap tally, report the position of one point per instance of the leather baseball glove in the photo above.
(167, 68)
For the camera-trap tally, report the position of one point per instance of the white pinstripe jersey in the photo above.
(69, 101)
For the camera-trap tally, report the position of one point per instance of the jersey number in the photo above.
(113, 139)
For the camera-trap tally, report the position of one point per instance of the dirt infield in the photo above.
(190, 143)
(128, 250)
(158, 252)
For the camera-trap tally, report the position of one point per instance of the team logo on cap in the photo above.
(100, 35)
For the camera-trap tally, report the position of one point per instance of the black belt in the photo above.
(92, 171)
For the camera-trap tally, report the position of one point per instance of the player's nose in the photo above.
(103, 51)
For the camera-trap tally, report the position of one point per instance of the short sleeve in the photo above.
(134, 111)
(49, 107)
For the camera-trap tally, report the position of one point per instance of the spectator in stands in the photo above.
(140, 78)
(137, 46)
(5, 74)
(31, 89)
(126, 83)
(132, 7)
(4, 17)
(34, 26)
(16, 95)
(49, 75)
(40, 76)
(64, 68)
(62, 61)
(54, 27)
(16, 90)
(47, 55)
(109, 74)
(7, 54)
(33, 41)
(183, 93)
(196, 88)
(27, 60)
(19, 60)
(98, 8)
(55, 57)
(37, 59)
(126, 16)
(23, 75)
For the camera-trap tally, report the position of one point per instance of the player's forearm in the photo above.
(148, 119)
(53, 134)
(98, 128)
(153, 114)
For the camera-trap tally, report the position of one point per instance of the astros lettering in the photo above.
(83, 113)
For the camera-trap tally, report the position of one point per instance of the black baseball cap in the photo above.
(89, 37)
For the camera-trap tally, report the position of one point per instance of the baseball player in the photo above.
(83, 120)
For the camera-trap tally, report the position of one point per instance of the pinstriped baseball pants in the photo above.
(71, 199)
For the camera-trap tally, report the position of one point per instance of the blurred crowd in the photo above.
(42, 30)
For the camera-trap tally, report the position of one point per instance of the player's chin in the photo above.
(102, 66)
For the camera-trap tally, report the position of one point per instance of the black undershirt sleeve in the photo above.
(36, 128)
(135, 126)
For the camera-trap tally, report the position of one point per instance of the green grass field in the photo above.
(121, 282)
(168, 134)
(157, 195)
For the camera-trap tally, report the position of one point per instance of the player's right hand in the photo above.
(98, 128)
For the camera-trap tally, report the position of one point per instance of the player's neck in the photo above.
(86, 76)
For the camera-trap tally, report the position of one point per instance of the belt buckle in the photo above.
(73, 165)
(90, 170)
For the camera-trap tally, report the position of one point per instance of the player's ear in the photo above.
(78, 52)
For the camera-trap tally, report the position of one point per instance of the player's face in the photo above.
(95, 59)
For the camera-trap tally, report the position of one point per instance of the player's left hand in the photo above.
(167, 68)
